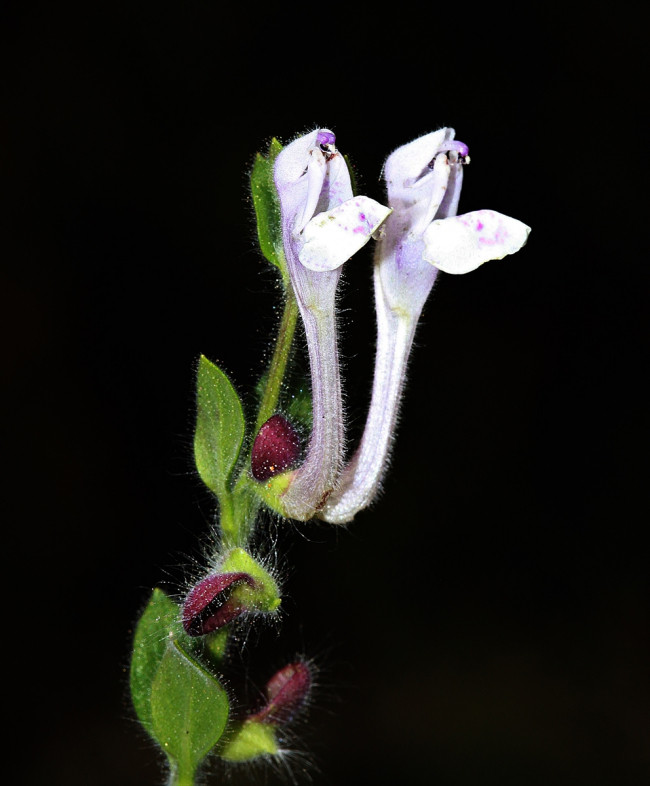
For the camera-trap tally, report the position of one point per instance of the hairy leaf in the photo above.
(189, 709)
(267, 206)
(219, 427)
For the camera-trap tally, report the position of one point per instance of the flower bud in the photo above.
(240, 585)
(210, 604)
(286, 694)
(276, 448)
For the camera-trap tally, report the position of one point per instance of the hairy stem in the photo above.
(180, 777)
(238, 523)
(279, 361)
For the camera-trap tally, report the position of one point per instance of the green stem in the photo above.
(279, 361)
(227, 516)
(181, 777)
(239, 520)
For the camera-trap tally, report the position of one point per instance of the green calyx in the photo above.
(247, 740)
(264, 595)
(272, 490)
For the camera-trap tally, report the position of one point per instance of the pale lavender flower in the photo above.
(323, 225)
(422, 235)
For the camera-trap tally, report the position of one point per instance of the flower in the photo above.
(323, 225)
(422, 235)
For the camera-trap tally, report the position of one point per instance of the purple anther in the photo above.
(460, 147)
(209, 605)
(326, 138)
(276, 448)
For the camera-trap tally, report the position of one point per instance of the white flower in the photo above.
(421, 236)
(323, 225)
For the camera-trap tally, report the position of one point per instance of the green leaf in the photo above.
(267, 207)
(159, 624)
(219, 428)
(353, 175)
(158, 621)
(189, 711)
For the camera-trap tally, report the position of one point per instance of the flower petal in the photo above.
(463, 243)
(408, 163)
(290, 164)
(436, 190)
(331, 238)
(316, 171)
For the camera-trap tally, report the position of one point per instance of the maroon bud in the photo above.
(209, 605)
(286, 694)
(276, 447)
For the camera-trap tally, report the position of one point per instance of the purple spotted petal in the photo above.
(463, 243)
(331, 238)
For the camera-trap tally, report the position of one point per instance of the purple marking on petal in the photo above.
(208, 605)
(479, 225)
(325, 138)
(498, 238)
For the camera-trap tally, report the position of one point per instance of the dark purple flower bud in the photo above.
(209, 605)
(286, 694)
(276, 448)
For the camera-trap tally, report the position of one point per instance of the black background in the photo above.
(486, 622)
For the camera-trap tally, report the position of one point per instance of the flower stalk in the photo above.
(279, 361)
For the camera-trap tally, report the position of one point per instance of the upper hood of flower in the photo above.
(323, 223)
(311, 177)
(424, 178)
